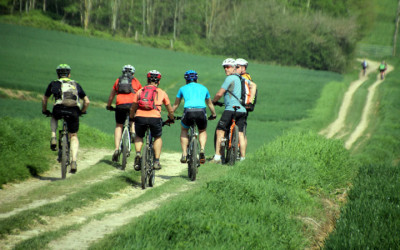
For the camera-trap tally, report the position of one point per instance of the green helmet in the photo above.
(63, 70)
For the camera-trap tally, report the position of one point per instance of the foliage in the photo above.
(327, 31)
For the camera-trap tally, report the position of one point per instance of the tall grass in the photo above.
(371, 217)
(261, 203)
(25, 146)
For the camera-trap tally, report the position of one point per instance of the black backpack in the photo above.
(125, 84)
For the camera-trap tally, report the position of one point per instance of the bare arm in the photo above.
(86, 103)
(111, 97)
(176, 104)
(218, 95)
(211, 106)
(170, 112)
(44, 103)
(134, 107)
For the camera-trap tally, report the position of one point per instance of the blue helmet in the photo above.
(190, 76)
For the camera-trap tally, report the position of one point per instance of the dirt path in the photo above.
(337, 128)
(95, 229)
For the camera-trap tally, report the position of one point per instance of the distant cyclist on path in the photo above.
(233, 84)
(66, 93)
(196, 96)
(382, 69)
(146, 111)
(125, 87)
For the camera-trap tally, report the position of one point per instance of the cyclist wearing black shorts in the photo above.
(66, 94)
(196, 96)
(125, 92)
(150, 116)
(233, 84)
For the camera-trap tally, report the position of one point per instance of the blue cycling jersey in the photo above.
(233, 84)
(194, 95)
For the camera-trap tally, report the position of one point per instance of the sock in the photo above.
(242, 158)
(217, 157)
(155, 160)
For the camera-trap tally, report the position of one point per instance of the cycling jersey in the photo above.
(161, 98)
(233, 84)
(194, 95)
(126, 98)
(54, 88)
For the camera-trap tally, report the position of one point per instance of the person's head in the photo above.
(229, 65)
(242, 65)
(63, 70)
(128, 69)
(153, 77)
(190, 76)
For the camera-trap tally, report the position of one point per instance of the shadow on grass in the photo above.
(35, 175)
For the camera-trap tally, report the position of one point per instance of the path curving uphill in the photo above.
(337, 127)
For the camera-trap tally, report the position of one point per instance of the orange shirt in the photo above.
(127, 98)
(161, 98)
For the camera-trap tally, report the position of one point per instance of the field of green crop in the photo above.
(278, 198)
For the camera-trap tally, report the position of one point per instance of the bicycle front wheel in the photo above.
(234, 147)
(125, 149)
(64, 155)
(151, 171)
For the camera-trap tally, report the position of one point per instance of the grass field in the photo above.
(273, 200)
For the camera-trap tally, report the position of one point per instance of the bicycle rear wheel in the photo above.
(125, 149)
(144, 167)
(234, 148)
(194, 161)
(64, 155)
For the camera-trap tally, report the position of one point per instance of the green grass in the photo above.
(261, 206)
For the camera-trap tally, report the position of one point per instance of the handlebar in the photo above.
(110, 108)
(219, 104)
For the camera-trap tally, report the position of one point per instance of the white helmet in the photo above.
(153, 76)
(128, 69)
(242, 62)
(229, 62)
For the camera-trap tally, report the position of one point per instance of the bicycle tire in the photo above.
(193, 159)
(144, 168)
(64, 155)
(233, 150)
(152, 172)
(125, 149)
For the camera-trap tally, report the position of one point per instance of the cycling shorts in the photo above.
(121, 111)
(72, 118)
(226, 120)
(141, 124)
(191, 116)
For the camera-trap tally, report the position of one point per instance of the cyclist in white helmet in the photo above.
(233, 84)
(125, 87)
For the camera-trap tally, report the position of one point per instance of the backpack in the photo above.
(125, 84)
(245, 95)
(69, 93)
(146, 98)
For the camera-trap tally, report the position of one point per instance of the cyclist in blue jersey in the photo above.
(232, 85)
(196, 97)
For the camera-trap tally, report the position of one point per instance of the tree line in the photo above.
(318, 34)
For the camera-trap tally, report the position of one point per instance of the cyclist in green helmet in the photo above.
(67, 94)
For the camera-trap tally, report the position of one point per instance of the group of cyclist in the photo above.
(143, 104)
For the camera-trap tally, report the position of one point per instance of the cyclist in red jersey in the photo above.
(125, 94)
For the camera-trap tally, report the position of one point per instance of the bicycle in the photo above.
(193, 152)
(148, 158)
(125, 143)
(64, 150)
(229, 148)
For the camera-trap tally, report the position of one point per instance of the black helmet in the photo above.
(63, 70)
(153, 76)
